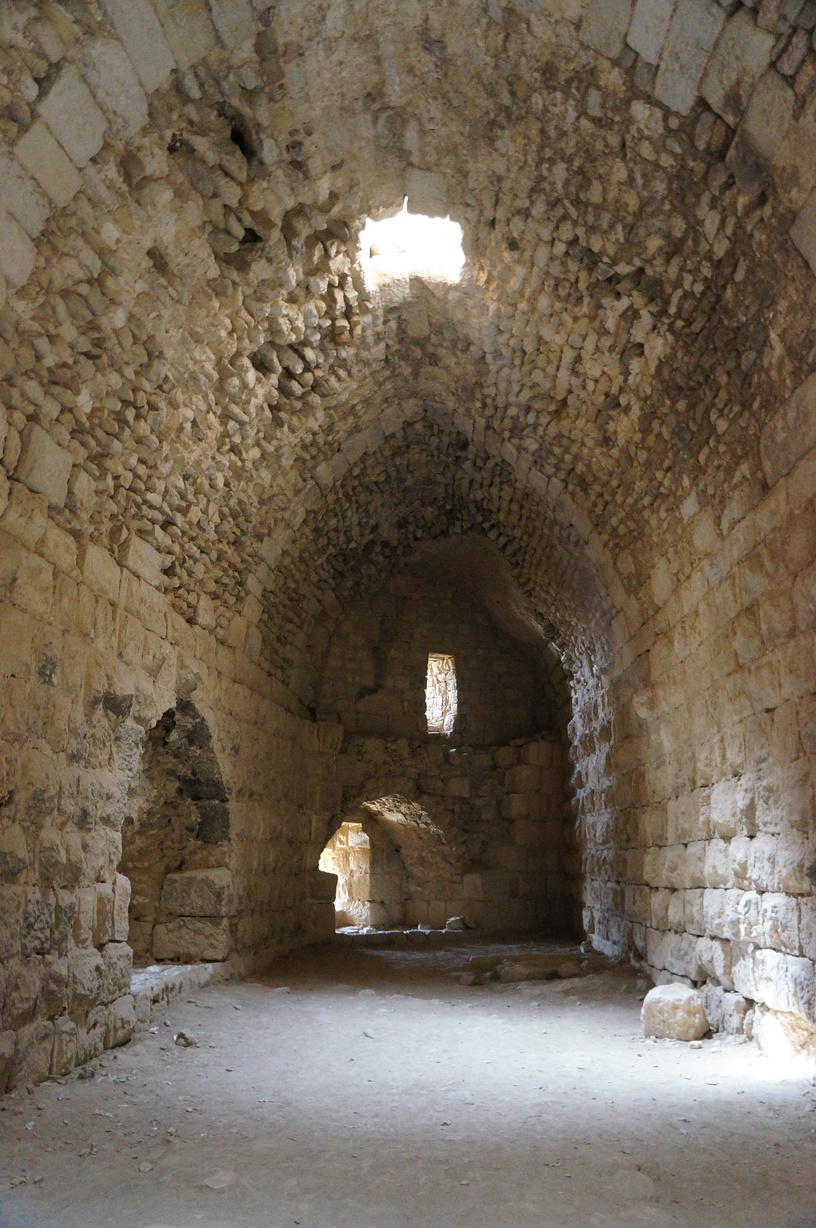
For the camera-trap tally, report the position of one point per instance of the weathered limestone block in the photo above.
(189, 939)
(717, 864)
(44, 158)
(121, 1020)
(187, 28)
(22, 992)
(26, 515)
(749, 916)
(65, 911)
(780, 1034)
(785, 983)
(121, 904)
(99, 570)
(85, 918)
(780, 922)
(90, 1038)
(114, 85)
(38, 919)
(647, 33)
(50, 857)
(44, 467)
(674, 1012)
(790, 433)
(694, 29)
(103, 919)
(198, 893)
(72, 115)
(13, 853)
(23, 200)
(138, 27)
(427, 192)
(53, 998)
(523, 778)
(604, 26)
(807, 927)
(64, 1054)
(762, 131)
(539, 754)
(714, 956)
(741, 55)
(85, 972)
(117, 966)
(143, 560)
(17, 252)
(682, 957)
(32, 1055)
(234, 21)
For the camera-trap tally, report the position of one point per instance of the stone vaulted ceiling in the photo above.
(187, 340)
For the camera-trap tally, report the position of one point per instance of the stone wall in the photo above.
(91, 658)
(697, 796)
(484, 833)
(374, 675)
(233, 438)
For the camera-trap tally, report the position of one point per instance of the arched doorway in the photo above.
(371, 882)
(175, 845)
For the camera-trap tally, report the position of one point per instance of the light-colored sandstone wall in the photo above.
(374, 676)
(194, 379)
(487, 833)
(90, 658)
(697, 796)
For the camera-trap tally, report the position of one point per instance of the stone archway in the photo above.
(175, 845)
(371, 874)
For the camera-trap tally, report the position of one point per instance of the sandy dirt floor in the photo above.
(367, 1088)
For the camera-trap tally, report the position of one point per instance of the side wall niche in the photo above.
(175, 845)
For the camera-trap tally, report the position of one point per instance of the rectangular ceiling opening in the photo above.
(441, 697)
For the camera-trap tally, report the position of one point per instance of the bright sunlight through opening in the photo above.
(411, 245)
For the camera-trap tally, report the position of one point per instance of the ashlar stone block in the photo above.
(650, 25)
(121, 904)
(427, 192)
(44, 158)
(44, 467)
(187, 28)
(22, 197)
(792, 431)
(741, 55)
(762, 130)
(604, 26)
(121, 1020)
(17, 252)
(234, 21)
(694, 29)
(74, 118)
(198, 893)
(138, 27)
(674, 1012)
(190, 939)
(115, 86)
(63, 1057)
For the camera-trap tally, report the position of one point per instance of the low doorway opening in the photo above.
(370, 876)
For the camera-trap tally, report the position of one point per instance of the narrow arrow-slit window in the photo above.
(441, 698)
